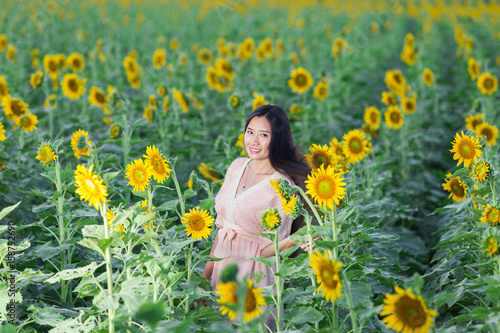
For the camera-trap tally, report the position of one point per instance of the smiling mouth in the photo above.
(254, 151)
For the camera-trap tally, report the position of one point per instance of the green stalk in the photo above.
(335, 257)
(306, 198)
(350, 303)
(492, 185)
(189, 259)
(179, 193)
(107, 258)
(62, 233)
(278, 280)
(308, 219)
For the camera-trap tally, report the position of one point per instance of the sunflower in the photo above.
(50, 66)
(46, 153)
(320, 155)
(490, 132)
(161, 91)
(208, 172)
(245, 49)
(89, 186)
(278, 185)
(179, 97)
(3, 42)
(294, 108)
(293, 207)
(198, 223)
(253, 301)
(80, 143)
(159, 166)
(457, 188)
(339, 46)
(138, 174)
(428, 77)
(234, 101)
(388, 98)
(341, 165)
(14, 108)
(228, 296)
(393, 117)
(165, 104)
(36, 79)
(130, 65)
(325, 186)
(295, 58)
(260, 53)
(73, 86)
(487, 83)
(224, 68)
(409, 103)
(2, 133)
(76, 62)
(205, 57)
(240, 143)
(4, 88)
(134, 79)
(271, 219)
(395, 82)
(144, 203)
(481, 171)
(11, 53)
(258, 100)
(466, 149)
(148, 114)
(406, 312)
(159, 58)
(491, 215)
(336, 147)
(98, 97)
(372, 117)
(354, 146)
(115, 131)
(491, 245)
(321, 90)
(301, 80)
(473, 121)
(27, 122)
(213, 79)
(327, 275)
(267, 46)
(473, 68)
(174, 44)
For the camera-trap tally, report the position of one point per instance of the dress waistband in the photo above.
(224, 246)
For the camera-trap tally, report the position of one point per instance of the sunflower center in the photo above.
(428, 78)
(139, 175)
(52, 66)
(395, 117)
(456, 188)
(3, 90)
(373, 117)
(197, 223)
(481, 169)
(488, 83)
(411, 312)
(467, 150)
(300, 80)
(77, 63)
(100, 97)
(89, 185)
(250, 301)
(327, 275)
(326, 188)
(397, 78)
(73, 85)
(320, 159)
(46, 153)
(409, 106)
(16, 108)
(476, 122)
(392, 100)
(355, 145)
(493, 215)
(25, 122)
(322, 91)
(487, 133)
(158, 165)
(234, 101)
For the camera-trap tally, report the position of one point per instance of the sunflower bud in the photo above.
(490, 243)
(81, 143)
(271, 219)
(229, 273)
(115, 131)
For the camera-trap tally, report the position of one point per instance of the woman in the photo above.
(247, 193)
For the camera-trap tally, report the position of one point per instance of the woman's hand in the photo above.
(308, 245)
(204, 303)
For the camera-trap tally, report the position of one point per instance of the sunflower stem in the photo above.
(150, 206)
(62, 233)
(278, 279)
(179, 193)
(189, 258)
(350, 303)
(492, 185)
(107, 258)
(306, 198)
(308, 219)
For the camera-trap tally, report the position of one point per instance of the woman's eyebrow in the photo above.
(262, 130)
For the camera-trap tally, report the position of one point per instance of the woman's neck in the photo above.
(261, 166)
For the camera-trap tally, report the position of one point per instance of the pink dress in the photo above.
(238, 219)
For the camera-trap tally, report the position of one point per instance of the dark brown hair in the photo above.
(284, 155)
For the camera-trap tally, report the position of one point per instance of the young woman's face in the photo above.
(258, 138)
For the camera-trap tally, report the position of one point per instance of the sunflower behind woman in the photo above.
(300, 81)
(320, 155)
(355, 146)
(406, 312)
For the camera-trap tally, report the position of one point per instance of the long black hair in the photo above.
(284, 155)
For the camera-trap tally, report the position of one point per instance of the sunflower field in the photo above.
(119, 119)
